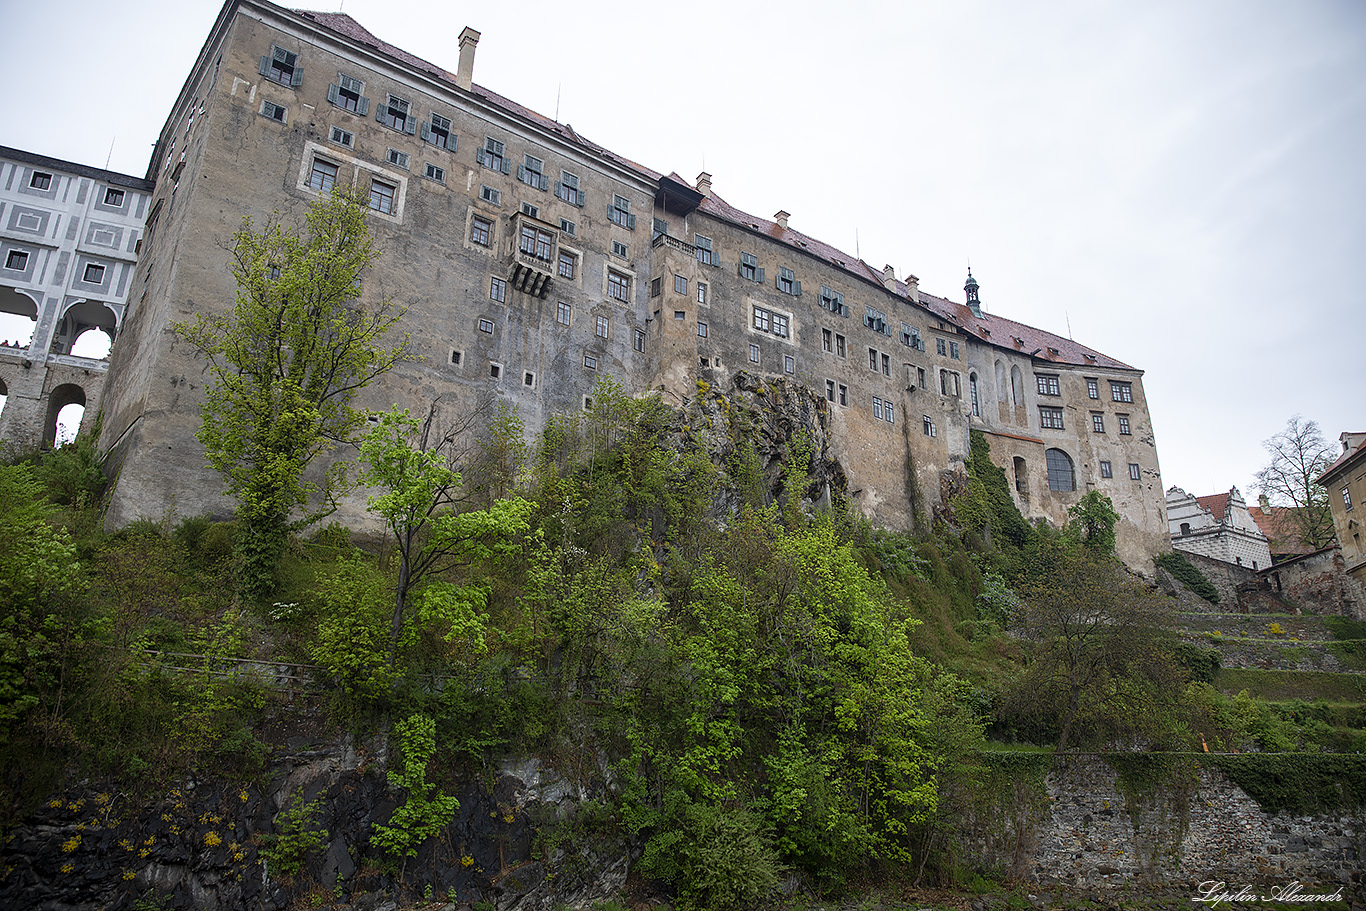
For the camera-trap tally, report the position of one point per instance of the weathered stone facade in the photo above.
(533, 262)
(1219, 527)
(1346, 483)
(69, 239)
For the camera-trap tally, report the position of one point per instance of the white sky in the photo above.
(1182, 182)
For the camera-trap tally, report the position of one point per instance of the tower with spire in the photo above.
(974, 302)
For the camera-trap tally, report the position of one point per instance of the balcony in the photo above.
(664, 240)
(531, 261)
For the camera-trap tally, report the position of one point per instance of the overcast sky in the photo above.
(1181, 185)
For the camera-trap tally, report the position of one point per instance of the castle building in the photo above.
(1218, 526)
(69, 238)
(1346, 483)
(533, 262)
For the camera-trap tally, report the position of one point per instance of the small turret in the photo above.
(974, 302)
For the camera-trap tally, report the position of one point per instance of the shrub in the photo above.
(285, 851)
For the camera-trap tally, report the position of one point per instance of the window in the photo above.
(839, 345)
(789, 364)
(323, 176)
(347, 95)
(680, 285)
(701, 292)
(949, 383)
(761, 319)
(1106, 472)
(435, 173)
(495, 369)
(382, 197)
(875, 319)
(528, 379)
(564, 313)
(656, 287)
(705, 255)
(827, 340)
(529, 209)
(886, 365)
(94, 273)
(438, 133)
(910, 337)
(780, 325)
(589, 363)
(568, 264)
(481, 231)
(920, 377)
(568, 227)
(530, 173)
(486, 325)
(953, 350)
(1092, 388)
(1121, 392)
(567, 188)
(282, 66)
(1135, 473)
(889, 412)
(639, 340)
(660, 227)
(972, 391)
(38, 180)
(273, 111)
(927, 426)
(872, 359)
(535, 242)
(701, 330)
(1097, 422)
(602, 324)
(787, 281)
(16, 260)
(1048, 385)
(833, 301)
(844, 395)
(113, 197)
(498, 290)
(940, 347)
(680, 314)
(489, 194)
(1060, 473)
(1123, 424)
(491, 156)
(619, 249)
(618, 285)
(749, 268)
(342, 137)
(830, 390)
(457, 357)
(754, 354)
(877, 408)
(1347, 497)
(619, 213)
(1050, 418)
(398, 159)
(394, 115)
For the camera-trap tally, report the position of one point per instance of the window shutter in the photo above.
(410, 125)
(631, 222)
(740, 269)
(379, 112)
(761, 276)
(558, 191)
(332, 93)
(265, 66)
(507, 166)
(298, 77)
(364, 107)
(798, 286)
(580, 192)
(545, 182)
(482, 157)
(426, 133)
(451, 142)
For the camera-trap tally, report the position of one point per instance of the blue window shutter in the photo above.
(426, 133)
(557, 188)
(580, 197)
(799, 289)
(482, 157)
(331, 93)
(521, 173)
(740, 269)
(298, 77)
(507, 166)
(545, 182)
(631, 222)
(265, 66)
(410, 125)
(379, 112)
(761, 276)
(364, 107)
(451, 142)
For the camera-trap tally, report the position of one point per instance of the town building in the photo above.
(1281, 526)
(1346, 483)
(69, 237)
(1218, 526)
(534, 262)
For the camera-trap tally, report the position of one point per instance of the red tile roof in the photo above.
(1216, 503)
(998, 331)
(1278, 524)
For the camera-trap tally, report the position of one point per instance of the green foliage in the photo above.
(1093, 523)
(1297, 783)
(997, 601)
(353, 639)
(284, 364)
(1343, 628)
(1202, 664)
(426, 810)
(72, 473)
(988, 503)
(1182, 571)
(299, 835)
(719, 859)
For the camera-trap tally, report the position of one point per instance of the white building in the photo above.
(1218, 526)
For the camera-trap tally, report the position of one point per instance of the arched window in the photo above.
(1185, 528)
(1017, 386)
(1002, 384)
(1060, 473)
(976, 402)
(1021, 477)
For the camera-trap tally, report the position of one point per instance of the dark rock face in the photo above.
(199, 846)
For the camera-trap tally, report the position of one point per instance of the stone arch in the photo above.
(58, 399)
(1061, 473)
(17, 305)
(80, 318)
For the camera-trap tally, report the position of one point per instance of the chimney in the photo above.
(889, 277)
(704, 184)
(469, 40)
(913, 288)
(781, 218)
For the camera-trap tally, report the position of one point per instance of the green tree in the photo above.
(1093, 523)
(426, 810)
(285, 363)
(1299, 455)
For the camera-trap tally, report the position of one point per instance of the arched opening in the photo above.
(1016, 387)
(65, 408)
(1021, 477)
(1185, 528)
(1002, 386)
(1061, 475)
(4, 396)
(972, 389)
(18, 318)
(77, 324)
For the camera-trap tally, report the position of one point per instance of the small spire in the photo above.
(971, 289)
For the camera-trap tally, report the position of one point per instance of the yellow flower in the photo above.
(128, 874)
(144, 852)
(125, 844)
(467, 861)
(212, 839)
(242, 795)
(151, 840)
(67, 868)
(71, 844)
(55, 803)
(101, 798)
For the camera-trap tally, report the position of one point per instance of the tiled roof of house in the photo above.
(1216, 503)
(1278, 524)
(988, 328)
